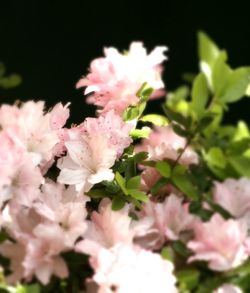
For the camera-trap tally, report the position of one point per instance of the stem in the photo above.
(182, 151)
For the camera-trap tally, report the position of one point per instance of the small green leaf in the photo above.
(236, 85)
(183, 182)
(180, 131)
(181, 248)
(188, 278)
(96, 193)
(118, 203)
(158, 185)
(11, 81)
(241, 165)
(134, 182)
(141, 133)
(220, 74)
(139, 157)
(215, 157)
(241, 132)
(180, 94)
(167, 253)
(130, 113)
(174, 116)
(144, 92)
(137, 194)
(156, 119)
(208, 50)
(121, 182)
(164, 168)
(199, 95)
(205, 122)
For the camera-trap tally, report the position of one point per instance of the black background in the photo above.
(51, 43)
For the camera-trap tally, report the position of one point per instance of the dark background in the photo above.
(51, 43)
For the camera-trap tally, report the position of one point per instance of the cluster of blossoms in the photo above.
(55, 196)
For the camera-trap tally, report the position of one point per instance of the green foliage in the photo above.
(10, 81)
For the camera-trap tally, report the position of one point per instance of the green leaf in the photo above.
(156, 119)
(11, 81)
(184, 184)
(139, 157)
(131, 113)
(199, 95)
(205, 122)
(118, 203)
(141, 133)
(236, 85)
(208, 53)
(110, 187)
(220, 74)
(180, 94)
(137, 194)
(164, 168)
(121, 182)
(134, 182)
(241, 132)
(167, 253)
(144, 92)
(215, 157)
(158, 185)
(207, 49)
(176, 117)
(180, 131)
(181, 248)
(188, 278)
(241, 165)
(34, 288)
(96, 193)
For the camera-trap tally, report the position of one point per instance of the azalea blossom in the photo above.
(164, 143)
(33, 129)
(92, 150)
(234, 196)
(228, 288)
(42, 257)
(222, 243)
(20, 179)
(15, 252)
(88, 162)
(114, 80)
(113, 127)
(108, 227)
(169, 219)
(62, 209)
(124, 269)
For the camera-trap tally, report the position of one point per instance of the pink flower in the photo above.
(20, 179)
(234, 196)
(228, 288)
(15, 252)
(59, 116)
(62, 209)
(169, 219)
(220, 242)
(163, 143)
(108, 227)
(32, 129)
(88, 162)
(115, 79)
(113, 127)
(42, 256)
(124, 269)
